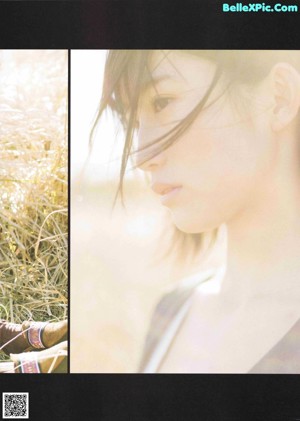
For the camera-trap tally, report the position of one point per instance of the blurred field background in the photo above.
(34, 185)
(119, 266)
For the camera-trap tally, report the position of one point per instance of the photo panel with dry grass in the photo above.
(34, 186)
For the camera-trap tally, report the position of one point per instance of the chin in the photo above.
(190, 226)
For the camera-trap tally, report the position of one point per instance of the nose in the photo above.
(150, 159)
(149, 156)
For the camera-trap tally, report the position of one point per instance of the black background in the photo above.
(150, 24)
(144, 24)
(112, 397)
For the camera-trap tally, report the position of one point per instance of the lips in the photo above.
(163, 189)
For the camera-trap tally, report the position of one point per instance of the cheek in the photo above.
(220, 156)
(236, 151)
(221, 172)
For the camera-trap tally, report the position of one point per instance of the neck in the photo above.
(264, 244)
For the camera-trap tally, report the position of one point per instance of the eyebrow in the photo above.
(149, 80)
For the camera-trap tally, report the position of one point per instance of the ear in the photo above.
(285, 82)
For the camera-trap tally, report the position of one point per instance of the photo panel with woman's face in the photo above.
(122, 257)
(171, 233)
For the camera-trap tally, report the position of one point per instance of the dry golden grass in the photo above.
(34, 185)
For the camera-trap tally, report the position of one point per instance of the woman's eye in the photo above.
(160, 103)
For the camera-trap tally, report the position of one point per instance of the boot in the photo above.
(17, 338)
(51, 360)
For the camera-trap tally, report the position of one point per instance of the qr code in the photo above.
(15, 405)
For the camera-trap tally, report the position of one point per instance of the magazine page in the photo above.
(150, 224)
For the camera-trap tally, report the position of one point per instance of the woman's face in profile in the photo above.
(217, 170)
